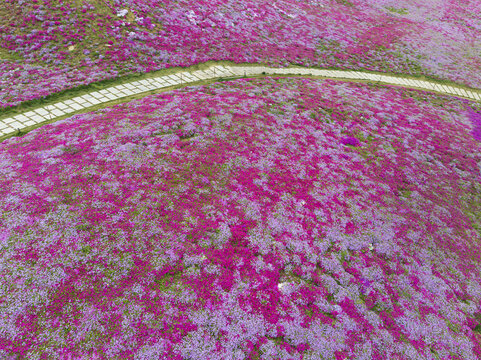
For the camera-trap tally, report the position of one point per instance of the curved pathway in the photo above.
(27, 121)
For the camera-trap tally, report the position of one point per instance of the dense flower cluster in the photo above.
(271, 218)
(60, 44)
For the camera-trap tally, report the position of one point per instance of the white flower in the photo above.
(371, 247)
(122, 13)
(281, 285)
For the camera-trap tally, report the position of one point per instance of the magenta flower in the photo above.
(350, 141)
(475, 118)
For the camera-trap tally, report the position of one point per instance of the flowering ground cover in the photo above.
(53, 45)
(267, 218)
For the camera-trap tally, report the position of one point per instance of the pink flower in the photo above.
(350, 141)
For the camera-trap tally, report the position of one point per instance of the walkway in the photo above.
(25, 122)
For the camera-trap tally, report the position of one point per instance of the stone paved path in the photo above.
(80, 104)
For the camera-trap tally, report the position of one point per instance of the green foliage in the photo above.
(345, 3)
(401, 11)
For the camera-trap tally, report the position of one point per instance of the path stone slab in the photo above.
(425, 84)
(449, 89)
(172, 81)
(321, 73)
(57, 112)
(16, 125)
(201, 75)
(150, 86)
(143, 88)
(362, 76)
(110, 96)
(68, 102)
(79, 100)
(87, 103)
(228, 70)
(444, 89)
(428, 86)
(127, 92)
(76, 106)
(112, 91)
(335, 74)
(37, 118)
(135, 90)
(354, 75)
(9, 120)
(95, 102)
(419, 83)
(20, 117)
(303, 71)
(42, 111)
(279, 71)
(390, 79)
(87, 97)
(371, 77)
(208, 72)
(236, 70)
(457, 92)
(68, 110)
(343, 74)
(219, 67)
(115, 91)
(61, 106)
(30, 123)
(29, 114)
(160, 83)
(95, 94)
(222, 71)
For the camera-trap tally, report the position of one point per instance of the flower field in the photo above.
(54, 45)
(269, 218)
(262, 218)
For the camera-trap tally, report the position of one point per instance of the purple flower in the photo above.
(475, 118)
(350, 141)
